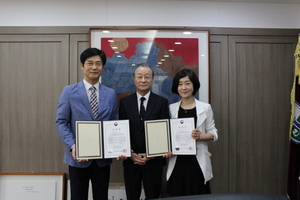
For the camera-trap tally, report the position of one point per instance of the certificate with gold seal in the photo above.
(88, 140)
(182, 141)
(116, 138)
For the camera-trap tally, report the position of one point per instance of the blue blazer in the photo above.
(73, 105)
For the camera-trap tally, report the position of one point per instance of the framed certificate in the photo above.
(157, 134)
(182, 141)
(116, 138)
(88, 140)
(33, 186)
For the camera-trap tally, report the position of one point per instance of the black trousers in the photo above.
(135, 175)
(80, 177)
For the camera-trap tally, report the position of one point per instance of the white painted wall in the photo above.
(149, 13)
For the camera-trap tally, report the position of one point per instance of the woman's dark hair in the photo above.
(92, 52)
(183, 73)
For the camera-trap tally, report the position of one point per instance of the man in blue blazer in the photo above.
(138, 168)
(74, 105)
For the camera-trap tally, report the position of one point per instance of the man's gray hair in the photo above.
(143, 65)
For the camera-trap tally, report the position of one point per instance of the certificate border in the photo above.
(148, 153)
(100, 156)
(172, 136)
(128, 138)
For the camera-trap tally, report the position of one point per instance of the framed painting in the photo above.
(167, 51)
(33, 186)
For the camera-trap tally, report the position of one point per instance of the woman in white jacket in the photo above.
(190, 174)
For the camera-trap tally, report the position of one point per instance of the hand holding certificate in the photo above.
(90, 140)
(158, 137)
(182, 141)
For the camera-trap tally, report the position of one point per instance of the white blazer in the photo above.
(205, 124)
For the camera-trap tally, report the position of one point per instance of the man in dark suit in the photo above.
(139, 168)
(75, 105)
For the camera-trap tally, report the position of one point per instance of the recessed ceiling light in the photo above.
(187, 32)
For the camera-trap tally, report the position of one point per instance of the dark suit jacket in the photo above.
(73, 105)
(157, 108)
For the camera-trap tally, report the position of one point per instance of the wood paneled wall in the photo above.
(261, 73)
(251, 75)
(219, 96)
(33, 70)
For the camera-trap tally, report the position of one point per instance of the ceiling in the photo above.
(249, 1)
(260, 1)
(241, 1)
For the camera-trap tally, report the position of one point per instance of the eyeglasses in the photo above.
(147, 77)
(91, 64)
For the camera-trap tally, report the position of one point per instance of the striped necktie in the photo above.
(94, 101)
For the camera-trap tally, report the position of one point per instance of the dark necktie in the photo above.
(94, 101)
(142, 109)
